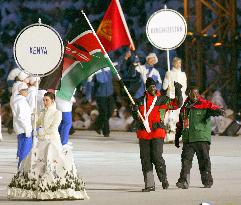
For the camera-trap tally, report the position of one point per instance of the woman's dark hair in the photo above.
(50, 95)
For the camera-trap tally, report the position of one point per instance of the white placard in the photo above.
(166, 29)
(38, 49)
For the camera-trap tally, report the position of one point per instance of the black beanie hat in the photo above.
(150, 81)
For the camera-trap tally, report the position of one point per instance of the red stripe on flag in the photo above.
(89, 42)
(67, 63)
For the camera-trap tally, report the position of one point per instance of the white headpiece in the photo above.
(22, 76)
(152, 55)
(13, 73)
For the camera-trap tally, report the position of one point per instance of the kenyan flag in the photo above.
(83, 56)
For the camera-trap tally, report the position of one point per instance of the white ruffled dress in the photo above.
(48, 172)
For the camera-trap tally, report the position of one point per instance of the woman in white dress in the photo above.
(172, 117)
(48, 172)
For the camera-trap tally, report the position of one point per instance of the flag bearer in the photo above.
(152, 105)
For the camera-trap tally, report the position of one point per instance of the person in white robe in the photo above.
(172, 117)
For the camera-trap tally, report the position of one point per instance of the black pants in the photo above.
(105, 107)
(202, 151)
(151, 153)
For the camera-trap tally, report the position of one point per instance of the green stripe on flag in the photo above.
(80, 72)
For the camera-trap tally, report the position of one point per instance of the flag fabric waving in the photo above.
(113, 31)
(51, 81)
(83, 56)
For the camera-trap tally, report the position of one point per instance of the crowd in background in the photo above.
(15, 15)
(85, 111)
(60, 14)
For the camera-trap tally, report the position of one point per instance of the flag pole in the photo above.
(170, 88)
(132, 46)
(118, 76)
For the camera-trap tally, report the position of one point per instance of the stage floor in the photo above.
(112, 169)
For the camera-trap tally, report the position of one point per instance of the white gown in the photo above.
(48, 172)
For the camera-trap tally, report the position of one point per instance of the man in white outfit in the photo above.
(22, 121)
(16, 77)
(172, 117)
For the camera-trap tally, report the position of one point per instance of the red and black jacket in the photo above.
(156, 124)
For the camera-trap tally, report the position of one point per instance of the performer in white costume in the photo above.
(22, 120)
(15, 77)
(48, 172)
(172, 116)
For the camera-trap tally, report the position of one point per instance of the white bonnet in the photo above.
(152, 55)
(13, 73)
(22, 76)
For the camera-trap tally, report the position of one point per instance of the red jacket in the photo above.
(156, 117)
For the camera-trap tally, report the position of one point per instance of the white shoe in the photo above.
(69, 143)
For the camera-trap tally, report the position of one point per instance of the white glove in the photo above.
(28, 132)
(41, 131)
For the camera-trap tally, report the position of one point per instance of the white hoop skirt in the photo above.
(47, 173)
